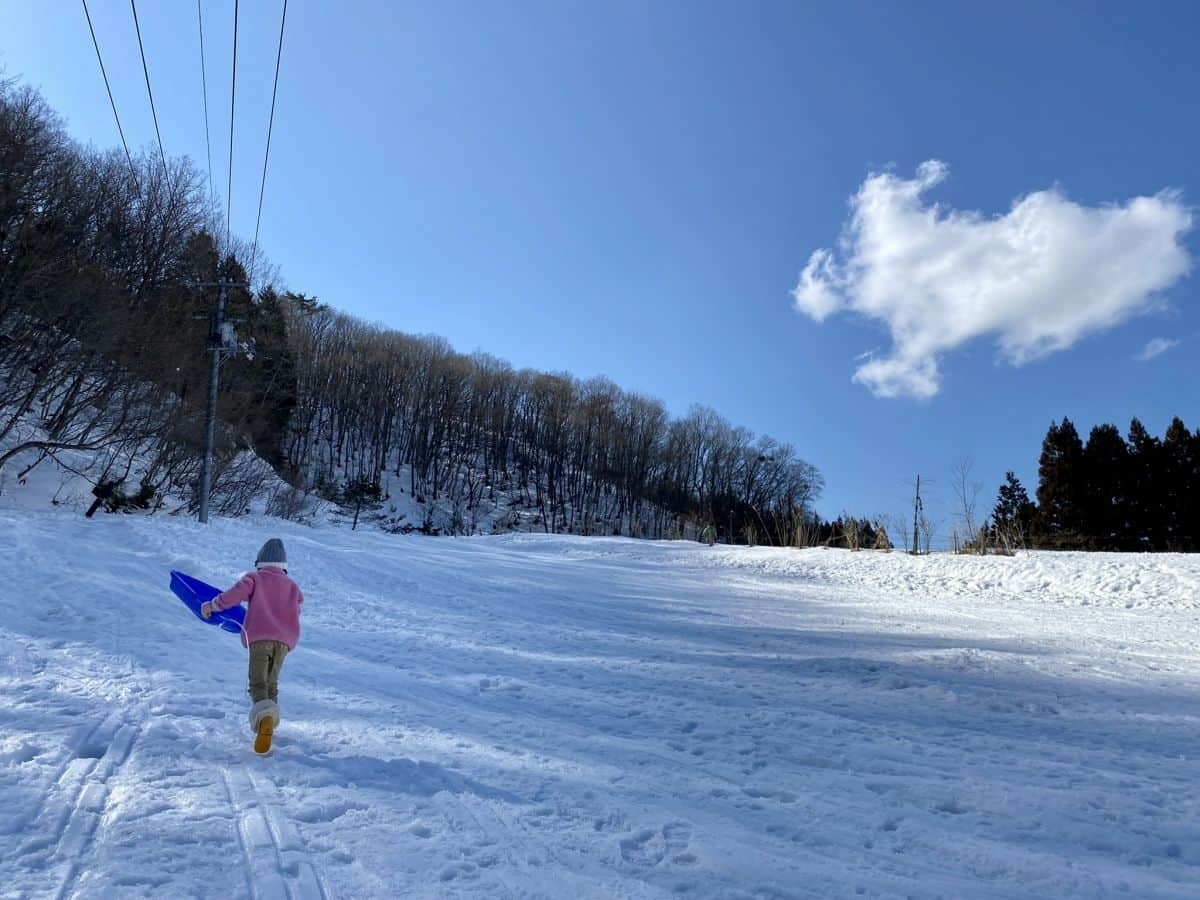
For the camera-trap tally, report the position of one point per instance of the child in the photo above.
(271, 629)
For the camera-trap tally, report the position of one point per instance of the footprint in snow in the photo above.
(951, 806)
(769, 793)
(643, 848)
(648, 847)
(678, 837)
(458, 870)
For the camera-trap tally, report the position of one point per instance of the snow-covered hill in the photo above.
(563, 717)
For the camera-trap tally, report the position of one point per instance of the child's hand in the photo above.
(206, 609)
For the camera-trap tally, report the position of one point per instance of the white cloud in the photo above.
(1036, 279)
(1156, 347)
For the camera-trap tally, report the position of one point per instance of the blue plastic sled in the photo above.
(193, 592)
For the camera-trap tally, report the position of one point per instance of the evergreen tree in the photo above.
(1013, 514)
(1180, 471)
(1060, 487)
(274, 388)
(258, 393)
(1134, 493)
(1146, 503)
(1192, 496)
(1104, 506)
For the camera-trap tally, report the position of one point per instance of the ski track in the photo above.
(76, 844)
(71, 810)
(277, 864)
(538, 716)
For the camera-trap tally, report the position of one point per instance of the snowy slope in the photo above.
(533, 716)
(35, 481)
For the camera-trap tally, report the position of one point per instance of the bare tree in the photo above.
(898, 524)
(966, 492)
(883, 540)
(928, 528)
(850, 531)
(100, 349)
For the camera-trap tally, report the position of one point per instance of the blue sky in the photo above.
(633, 189)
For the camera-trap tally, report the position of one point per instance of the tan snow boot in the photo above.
(266, 728)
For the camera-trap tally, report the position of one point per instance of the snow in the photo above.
(35, 481)
(541, 716)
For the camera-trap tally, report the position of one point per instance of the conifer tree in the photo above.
(1014, 512)
(1104, 507)
(275, 385)
(1135, 493)
(1180, 471)
(1192, 497)
(1060, 487)
(1146, 505)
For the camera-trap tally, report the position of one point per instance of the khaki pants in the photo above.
(266, 659)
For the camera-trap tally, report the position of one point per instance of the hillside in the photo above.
(118, 293)
(540, 716)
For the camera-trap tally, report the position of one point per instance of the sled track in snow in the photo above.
(75, 803)
(278, 866)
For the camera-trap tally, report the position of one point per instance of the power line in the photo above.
(204, 85)
(146, 70)
(107, 87)
(232, 102)
(267, 155)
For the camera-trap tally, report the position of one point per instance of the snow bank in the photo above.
(547, 716)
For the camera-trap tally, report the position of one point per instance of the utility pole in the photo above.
(222, 341)
(916, 517)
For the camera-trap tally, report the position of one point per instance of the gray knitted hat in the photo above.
(272, 554)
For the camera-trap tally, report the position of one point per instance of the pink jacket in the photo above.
(272, 606)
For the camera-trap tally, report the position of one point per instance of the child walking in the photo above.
(270, 631)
